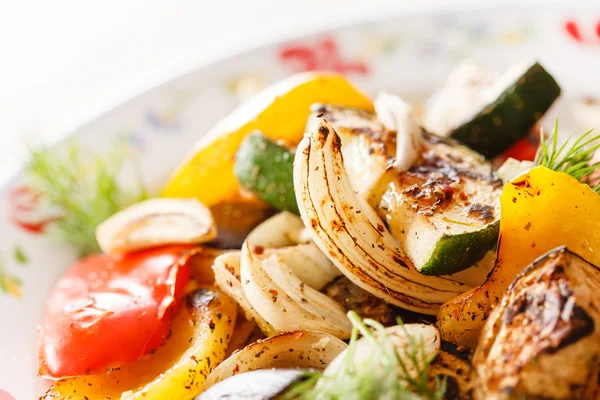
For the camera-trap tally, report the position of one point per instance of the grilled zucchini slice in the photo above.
(488, 112)
(265, 168)
(445, 209)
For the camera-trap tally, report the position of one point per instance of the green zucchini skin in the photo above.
(453, 252)
(266, 169)
(512, 115)
(445, 161)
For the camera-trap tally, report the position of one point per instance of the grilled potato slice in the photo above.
(543, 339)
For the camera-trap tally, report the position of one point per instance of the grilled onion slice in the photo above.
(280, 230)
(284, 234)
(227, 277)
(352, 235)
(156, 222)
(397, 115)
(300, 349)
(277, 287)
(309, 264)
(284, 301)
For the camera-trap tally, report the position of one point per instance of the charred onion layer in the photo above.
(349, 231)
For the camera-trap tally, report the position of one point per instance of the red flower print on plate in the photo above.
(5, 395)
(584, 34)
(29, 211)
(323, 54)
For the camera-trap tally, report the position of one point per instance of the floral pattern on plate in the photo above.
(586, 34)
(322, 54)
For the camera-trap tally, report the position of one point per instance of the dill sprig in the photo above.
(574, 159)
(419, 360)
(84, 190)
(386, 374)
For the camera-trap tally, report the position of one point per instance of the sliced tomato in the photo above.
(110, 310)
(526, 148)
(523, 150)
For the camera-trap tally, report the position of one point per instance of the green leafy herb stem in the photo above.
(85, 189)
(573, 158)
(384, 375)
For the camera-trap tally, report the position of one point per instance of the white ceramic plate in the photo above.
(409, 55)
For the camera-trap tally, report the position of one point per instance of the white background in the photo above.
(62, 62)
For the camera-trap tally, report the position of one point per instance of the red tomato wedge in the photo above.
(110, 310)
(523, 150)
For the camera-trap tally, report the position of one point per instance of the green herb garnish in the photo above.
(85, 189)
(20, 255)
(383, 375)
(574, 159)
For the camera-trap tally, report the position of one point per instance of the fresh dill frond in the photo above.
(385, 374)
(420, 361)
(574, 158)
(83, 190)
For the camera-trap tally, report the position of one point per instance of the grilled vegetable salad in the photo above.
(334, 247)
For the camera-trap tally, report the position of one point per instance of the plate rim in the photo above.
(173, 77)
(383, 15)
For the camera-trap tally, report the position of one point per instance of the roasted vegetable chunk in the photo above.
(200, 333)
(540, 210)
(543, 339)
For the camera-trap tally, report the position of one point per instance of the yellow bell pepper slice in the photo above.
(279, 112)
(200, 334)
(541, 210)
